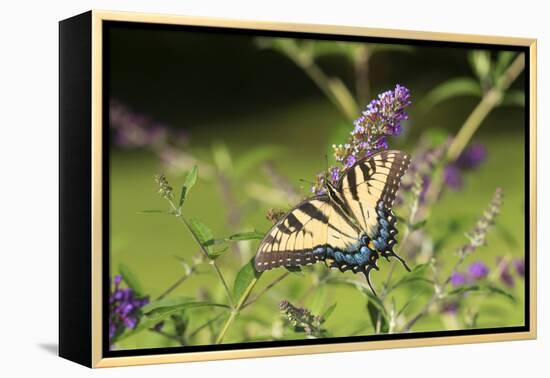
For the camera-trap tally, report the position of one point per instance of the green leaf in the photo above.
(244, 281)
(480, 61)
(460, 86)
(215, 254)
(203, 234)
(363, 288)
(131, 279)
(514, 97)
(160, 313)
(329, 311)
(406, 305)
(483, 289)
(504, 58)
(165, 302)
(248, 235)
(189, 182)
(345, 98)
(452, 227)
(506, 235)
(407, 280)
(222, 158)
(416, 275)
(436, 136)
(420, 268)
(377, 316)
(420, 224)
(384, 47)
(151, 212)
(318, 300)
(254, 157)
(346, 49)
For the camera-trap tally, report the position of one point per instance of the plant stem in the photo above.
(436, 296)
(205, 324)
(224, 282)
(490, 100)
(178, 282)
(361, 63)
(238, 307)
(333, 88)
(205, 252)
(266, 289)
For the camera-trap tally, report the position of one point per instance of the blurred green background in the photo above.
(227, 97)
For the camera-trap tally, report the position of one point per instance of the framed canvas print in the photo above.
(235, 188)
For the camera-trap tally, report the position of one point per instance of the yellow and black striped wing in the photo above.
(370, 185)
(312, 224)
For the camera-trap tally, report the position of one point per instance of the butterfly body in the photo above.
(349, 227)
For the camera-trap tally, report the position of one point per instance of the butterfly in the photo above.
(348, 227)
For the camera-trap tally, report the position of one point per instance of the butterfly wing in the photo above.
(312, 225)
(368, 190)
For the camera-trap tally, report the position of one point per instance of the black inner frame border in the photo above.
(107, 25)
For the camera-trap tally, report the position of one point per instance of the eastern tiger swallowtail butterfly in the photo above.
(349, 227)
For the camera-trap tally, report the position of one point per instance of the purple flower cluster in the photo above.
(478, 236)
(470, 159)
(124, 308)
(133, 130)
(423, 163)
(382, 118)
(504, 268)
(476, 271)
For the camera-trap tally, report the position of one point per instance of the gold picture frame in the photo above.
(90, 25)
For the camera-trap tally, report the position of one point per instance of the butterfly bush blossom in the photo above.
(381, 119)
(476, 271)
(124, 308)
(302, 318)
(470, 159)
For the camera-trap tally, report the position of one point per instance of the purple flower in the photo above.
(478, 270)
(458, 279)
(124, 308)
(450, 308)
(134, 130)
(519, 265)
(452, 177)
(350, 160)
(382, 118)
(504, 273)
(334, 174)
(472, 157)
